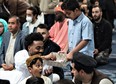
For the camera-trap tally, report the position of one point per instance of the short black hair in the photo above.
(35, 10)
(35, 80)
(94, 6)
(16, 17)
(4, 81)
(70, 5)
(64, 81)
(43, 26)
(32, 37)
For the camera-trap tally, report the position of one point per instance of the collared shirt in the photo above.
(81, 29)
(9, 59)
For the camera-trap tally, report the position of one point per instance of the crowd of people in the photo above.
(32, 30)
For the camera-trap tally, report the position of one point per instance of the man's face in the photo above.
(13, 26)
(36, 69)
(72, 14)
(44, 33)
(76, 73)
(29, 13)
(96, 13)
(36, 48)
(59, 16)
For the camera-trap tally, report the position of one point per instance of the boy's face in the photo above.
(72, 14)
(36, 69)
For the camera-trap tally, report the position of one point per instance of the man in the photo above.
(83, 69)
(33, 46)
(32, 20)
(49, 46)
(102, 36)
(80, 29)
(13, 41)
(59, 31)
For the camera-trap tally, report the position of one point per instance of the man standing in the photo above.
(80, 30)
(12, 43)
(102, 36)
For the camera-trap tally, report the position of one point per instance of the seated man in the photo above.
(83, 69)
(59, 31)
(102, 36)
(13, 41)
(49, 46)
(32, 14)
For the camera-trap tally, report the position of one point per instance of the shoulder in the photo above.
(21, 53)
(21, 33)
(105, 81)
(46, 80)
(6, 35)
(25, 25)
(24, 80)
(53, 44)
(106, 21)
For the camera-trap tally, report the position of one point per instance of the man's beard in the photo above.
(96, 19)
(77, 78)
(59, 19)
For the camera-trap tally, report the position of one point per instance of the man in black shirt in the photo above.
(102, 36)
(49, 46)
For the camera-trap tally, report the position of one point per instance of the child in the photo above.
(35, 66)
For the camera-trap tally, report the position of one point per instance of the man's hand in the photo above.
(96, 51)
(48, 72)
(7, 67)
(50, 56)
